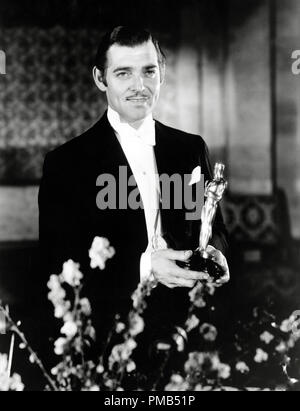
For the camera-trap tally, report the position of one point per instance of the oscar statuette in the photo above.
(200, 259)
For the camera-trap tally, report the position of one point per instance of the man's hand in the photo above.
(167, 272)
(220, 259)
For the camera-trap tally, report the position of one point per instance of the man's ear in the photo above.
(99, 80)
(162, 73)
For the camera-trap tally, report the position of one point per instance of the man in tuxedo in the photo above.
(130, 69)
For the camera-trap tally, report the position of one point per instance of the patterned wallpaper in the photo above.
(47, 96)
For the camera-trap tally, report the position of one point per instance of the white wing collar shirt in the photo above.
(138, 147)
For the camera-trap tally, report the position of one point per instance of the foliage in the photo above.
(260, 352)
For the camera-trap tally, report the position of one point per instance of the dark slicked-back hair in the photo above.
(129, 37)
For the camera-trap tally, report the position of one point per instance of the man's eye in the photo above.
(151, 73)
(123, 74)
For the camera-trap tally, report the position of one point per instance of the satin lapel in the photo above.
(167, 160)
(163, 151)
(105, 148)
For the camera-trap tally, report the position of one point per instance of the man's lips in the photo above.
(142, 98)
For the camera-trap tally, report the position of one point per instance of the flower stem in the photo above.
(15, 329)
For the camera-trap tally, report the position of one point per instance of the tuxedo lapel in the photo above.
(105, 156)
(104, 148)
(164, 152)
(169, 161)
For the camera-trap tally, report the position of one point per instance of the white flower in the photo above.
(266, 337)
(100, 252)
(130, 366)
(210, 288)
(209, 332)
(59, 345)
(2, 324)
(196, 296)
(121, 352)
(100, 369)
(291, 324)
(4, 382)
(291, 342)
(16, 383)
(3, 363)
(281, 347)
(115, 356)
(71, 274)
(90, 331)
(242, 367)
(215, 361)
(199, 387)
(69, 329)
(197, 359)
(53, 282)
(177, 383)
(9, 384)
(61, 309)
(109, 383)
(86, 307)
(191, 323)
(32, 359)
(54, 370)
(260, 356)
(137, 295)
(136, 325)
(57, 293)
(286, 326)
(224, 371)
(130, 344)
(177, 379)
(120, 327)
(94, 388)
(179, 338)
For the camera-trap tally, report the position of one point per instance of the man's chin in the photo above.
(137, 115)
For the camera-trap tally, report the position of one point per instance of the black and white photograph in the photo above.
(150, 198)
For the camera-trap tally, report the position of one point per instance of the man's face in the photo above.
(133, 81)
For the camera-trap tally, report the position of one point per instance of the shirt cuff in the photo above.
(146, 267)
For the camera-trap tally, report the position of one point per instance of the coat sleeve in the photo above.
(56, 217)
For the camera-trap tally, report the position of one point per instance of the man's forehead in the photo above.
(142, 54)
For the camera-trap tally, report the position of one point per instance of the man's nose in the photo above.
(138, 83)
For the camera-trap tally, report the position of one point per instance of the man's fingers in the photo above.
(182, 282)
(185, 283)
(197, 275)
(189, 275)
(224, 279)
(220, 259)
(176, 255)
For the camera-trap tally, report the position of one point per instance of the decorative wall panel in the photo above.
(47, 96)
